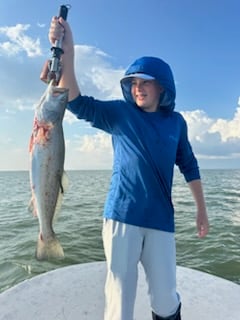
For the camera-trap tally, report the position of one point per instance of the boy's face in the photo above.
(146, 93)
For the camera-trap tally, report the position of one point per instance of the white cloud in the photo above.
(13, 157)
(94, 150)
(17, 41)
(99, 143)
(95, 73)
(198, 124)
(41, 25)
(70, 118)
(211, 138)
(229, 130)
(20, 64)
(214, 138)
(89, 151)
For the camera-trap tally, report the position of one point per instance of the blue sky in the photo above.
(199, 39)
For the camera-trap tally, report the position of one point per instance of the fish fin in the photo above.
(64, 182)
(47, 250)
(32, 207)
(63, 188)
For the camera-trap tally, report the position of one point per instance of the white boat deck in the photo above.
(77, 293)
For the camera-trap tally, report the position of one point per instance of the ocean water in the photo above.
(79, 225)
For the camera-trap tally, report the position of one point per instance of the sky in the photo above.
(199, 39)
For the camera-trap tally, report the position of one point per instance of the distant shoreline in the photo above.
(109, 170)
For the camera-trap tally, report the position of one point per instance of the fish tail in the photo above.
(47, 250)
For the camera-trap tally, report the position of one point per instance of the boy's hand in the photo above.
(202, 224)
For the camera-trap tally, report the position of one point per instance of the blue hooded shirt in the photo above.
(146, 147)
(160, 71)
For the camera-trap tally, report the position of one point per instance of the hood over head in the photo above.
(151, 68)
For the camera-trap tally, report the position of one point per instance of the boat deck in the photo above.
(77, 293)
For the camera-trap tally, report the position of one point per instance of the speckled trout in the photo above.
(47, 151)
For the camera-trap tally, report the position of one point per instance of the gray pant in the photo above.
(126, 245)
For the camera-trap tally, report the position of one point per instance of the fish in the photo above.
(48, 180)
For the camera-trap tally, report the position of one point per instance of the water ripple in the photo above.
(79, 224)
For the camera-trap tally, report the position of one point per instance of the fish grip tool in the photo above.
(52, 68)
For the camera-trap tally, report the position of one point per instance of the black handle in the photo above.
(63, 11)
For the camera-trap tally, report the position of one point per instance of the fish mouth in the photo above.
(57, 89)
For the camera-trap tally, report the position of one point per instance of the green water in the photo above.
(79, 225)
